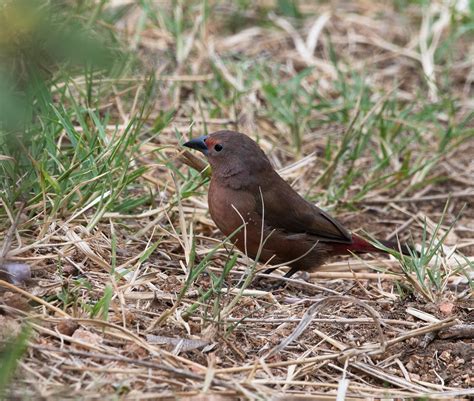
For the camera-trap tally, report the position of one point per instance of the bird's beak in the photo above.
(198, 144)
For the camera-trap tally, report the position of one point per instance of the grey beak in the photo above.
(198, 144)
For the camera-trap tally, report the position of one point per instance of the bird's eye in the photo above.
(218, 147)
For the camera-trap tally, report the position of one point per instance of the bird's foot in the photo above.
(280, 282)
(303, 276)
(264, 285)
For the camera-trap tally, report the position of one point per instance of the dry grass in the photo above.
(129, 299)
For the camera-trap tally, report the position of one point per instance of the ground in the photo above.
(365, 108)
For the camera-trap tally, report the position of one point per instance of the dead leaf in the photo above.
(67, 327)
(135, 351)
(16, 301)
(446, 308)
(9, 327)
(86, 337)
(184, 344)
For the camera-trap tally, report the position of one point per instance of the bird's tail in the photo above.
(360, 245)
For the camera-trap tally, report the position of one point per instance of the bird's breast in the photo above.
(230, 208)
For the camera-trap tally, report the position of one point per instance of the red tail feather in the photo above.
(360, 245)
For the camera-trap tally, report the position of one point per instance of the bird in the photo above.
(264, 216)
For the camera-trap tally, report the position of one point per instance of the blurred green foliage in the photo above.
(288, 8)
(11, 350)
(40, 43)
(44, 47)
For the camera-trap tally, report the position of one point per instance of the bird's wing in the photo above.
(284, 209)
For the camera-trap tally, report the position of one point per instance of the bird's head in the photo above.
(230, 153)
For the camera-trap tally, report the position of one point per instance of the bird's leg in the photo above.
(280, 283)
(258, 280)
(270, 270)
(290, 272)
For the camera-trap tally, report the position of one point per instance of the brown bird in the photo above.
(276, 224)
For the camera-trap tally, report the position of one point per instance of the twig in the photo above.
(32, 297)
(349, 352)
(460, 194)
(312, 310)
(457, 331)
(151, 365)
